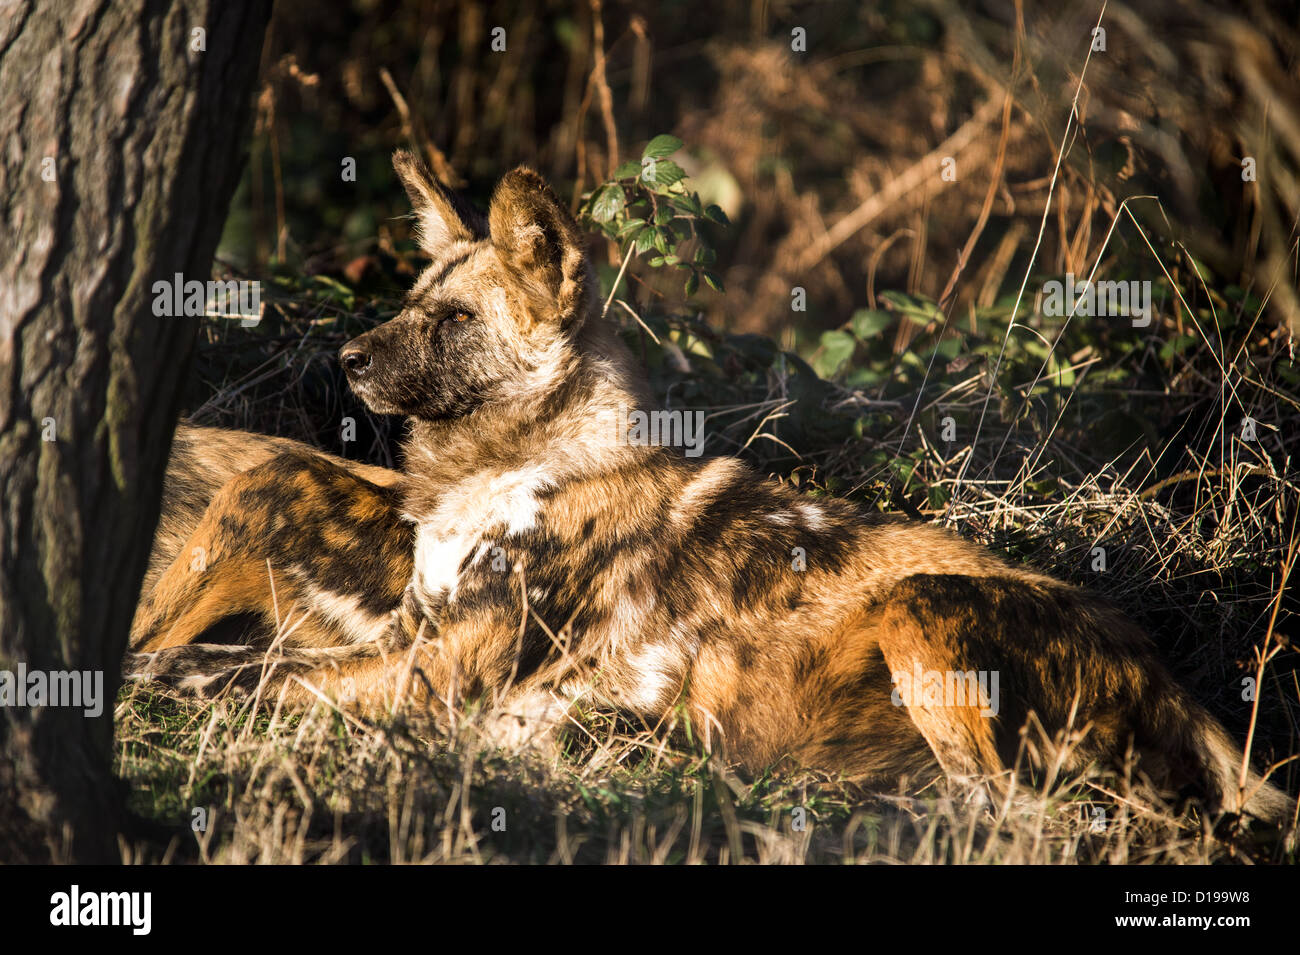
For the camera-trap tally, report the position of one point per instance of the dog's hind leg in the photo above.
(202, 461)
(295, 531)
(187, 603)
(924, 655)
(1086, 674)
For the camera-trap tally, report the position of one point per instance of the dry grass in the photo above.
(324, 788)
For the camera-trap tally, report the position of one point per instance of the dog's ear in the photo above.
(541, 246)
(442, 216)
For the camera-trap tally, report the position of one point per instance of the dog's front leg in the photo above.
(417, 660)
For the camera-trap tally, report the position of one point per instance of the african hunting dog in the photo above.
(532, 551)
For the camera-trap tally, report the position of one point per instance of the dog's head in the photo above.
(493, 318)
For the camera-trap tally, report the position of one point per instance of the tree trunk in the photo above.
(120, 143)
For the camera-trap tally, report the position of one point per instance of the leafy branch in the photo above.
(646, 208)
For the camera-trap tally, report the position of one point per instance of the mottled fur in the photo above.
(553, 559)
(202, 461)
(298, 531)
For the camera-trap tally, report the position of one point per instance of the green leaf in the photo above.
(837, 347)
(646, 239)
(712, 280)
(903, 468)
(1044, 487)
(867, 323)
(661, 146)
(336, 290)
(715, 214)
(688, 204)
(630, 225)
(947, 349)
(924, 316)
(607, 203)
(628, 170)
(920, 310)
(1176, 346)
(692, 283)
(662, 173)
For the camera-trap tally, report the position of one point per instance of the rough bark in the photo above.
(146, 135)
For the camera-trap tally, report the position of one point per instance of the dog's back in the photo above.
(205, 459)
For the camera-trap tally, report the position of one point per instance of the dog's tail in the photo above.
(1187, 746)
(1221, 760)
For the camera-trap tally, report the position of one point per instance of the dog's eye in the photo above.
(457, 316)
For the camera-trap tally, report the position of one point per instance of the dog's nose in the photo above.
(354, 360)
